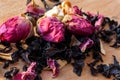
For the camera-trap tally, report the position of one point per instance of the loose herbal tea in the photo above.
(64, 32)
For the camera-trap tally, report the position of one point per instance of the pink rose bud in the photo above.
(78, 25)
(15, 29)
(76, 10)
(54, 66)
(88, 43)
(32, 7)
(28, 75)
(51, 29)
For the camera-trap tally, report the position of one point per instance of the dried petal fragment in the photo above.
(99, 20)
(76, 10)
(54, 66)
(88, 43)
(28, 75)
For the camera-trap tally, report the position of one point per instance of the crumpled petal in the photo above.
(100, 18)
(51, 29)
(76, 10)
(34, 8)
(15, 29)
(78, 25)
(54, 66)
(88, 43)
(28, 75)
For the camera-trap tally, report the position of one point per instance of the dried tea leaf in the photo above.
(74, 41)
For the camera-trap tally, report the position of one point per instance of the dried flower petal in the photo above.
(54, 66)
(15, 29)
(51, 29)
(78, 25)
(99, 20)
(28, 75)
(76, 10)
(86, 44)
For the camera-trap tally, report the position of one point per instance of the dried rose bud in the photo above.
(54, 66)
(51, 29)
(88, 43)
(32, 7)
(78, 25)
(15, 29)
(99, 20)
(28, 75)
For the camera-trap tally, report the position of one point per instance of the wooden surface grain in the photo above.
(111, 8)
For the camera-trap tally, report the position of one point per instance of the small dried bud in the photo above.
(32, 7)
(78, 25)
(15, 29)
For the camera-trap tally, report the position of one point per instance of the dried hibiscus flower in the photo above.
(15, 29)
(78, 25)
(51, 29)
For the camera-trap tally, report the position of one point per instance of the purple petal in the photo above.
(98, 23)
(54, 66)
(88, 43)
(28, 75)
(76, 10)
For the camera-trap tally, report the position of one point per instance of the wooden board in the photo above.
(109, 8)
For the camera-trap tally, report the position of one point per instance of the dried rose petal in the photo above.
(51, 29)
(100, 18)
(17, 77)
(32, 7)
(28, 75)
(78, 25)
(54, 66)
(88, 43)
(76, 10)
(15, 29)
